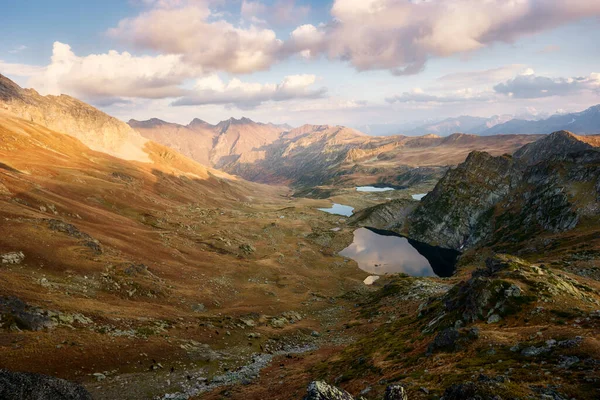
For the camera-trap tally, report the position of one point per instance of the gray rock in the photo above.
(319, 390)
(493, 319)
(27, 386)
(15, 257)
(395, 392)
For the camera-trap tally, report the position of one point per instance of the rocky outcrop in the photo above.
(555, 144)
(319, 390)
(65, 114)
(549, 186)
(388, 216)
(456, 213)
(15, 257)
(19, 386)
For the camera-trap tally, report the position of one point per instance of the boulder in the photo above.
(19, 386)
(15, 257)
(319, 390)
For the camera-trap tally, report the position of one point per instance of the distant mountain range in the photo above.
(583, 123)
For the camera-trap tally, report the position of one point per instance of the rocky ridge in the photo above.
(65, 114)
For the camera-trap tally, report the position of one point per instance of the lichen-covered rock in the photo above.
(389, 216)
(319, 390)
(557, 143)
(455, 214)
(485, 388)
(395, 392)
(19, 386)
(15, 257)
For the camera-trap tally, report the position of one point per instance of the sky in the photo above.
(344, 62)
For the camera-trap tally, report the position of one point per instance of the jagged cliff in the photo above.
(65, 114)
(547, 187)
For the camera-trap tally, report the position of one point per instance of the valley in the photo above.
(153, 260)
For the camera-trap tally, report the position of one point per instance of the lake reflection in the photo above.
(339, 209)
(373, 189)
(382, 252)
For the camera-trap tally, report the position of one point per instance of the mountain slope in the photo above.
(68, 115)
(212, 145)
(194, 140)
(584, 123)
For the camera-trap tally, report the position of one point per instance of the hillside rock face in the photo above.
(65, 114)
(504, 201)
(454, 215)
(558, 143)
(549, 186)
(388, 216)
(17, 386)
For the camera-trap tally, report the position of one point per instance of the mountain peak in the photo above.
(149, 123)
(198, 122)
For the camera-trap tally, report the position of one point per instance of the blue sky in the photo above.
(349, 62)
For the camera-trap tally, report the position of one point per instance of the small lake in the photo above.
(419, 196)
(373, 189)
(382, 252)
(339, 209)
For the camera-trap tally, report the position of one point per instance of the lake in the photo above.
(419, 196)
(373, 189)
(339, 209)
(381, 252)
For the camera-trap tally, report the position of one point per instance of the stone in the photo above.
(19, 385)
(99, 376)
(369, 280)
(15, 257)
(198, 308)
(444, 341)
(395, 392)
(248, 322)
(319, 390)
(278, 322)
(494, 318)
(292, 316)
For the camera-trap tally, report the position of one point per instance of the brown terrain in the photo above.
(141, 271)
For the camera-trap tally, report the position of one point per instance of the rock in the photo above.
(248, 322)
(315, 334)
(292, 316)
(534, 351)
(278, 322)
(485, 388)
(198, 308)
(19, 386)
(369, 280)
(319, 390)
(23, 315)
(254, 335)
(15, 257)
(493, 319)
(247, 248)
(99, 376)
(444, 341)
(395, 392)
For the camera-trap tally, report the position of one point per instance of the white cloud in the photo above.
(480, 77)
(186, 28)
(20, 69)
(110, 75)
(282, 12)
(18, 49)
(212, 90)
(401, 36)
(531, 86)
(417, 95)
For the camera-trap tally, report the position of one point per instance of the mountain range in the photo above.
(135, 263)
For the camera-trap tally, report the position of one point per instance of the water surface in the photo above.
(373, 189)
(382, 252)
(419, 196)
(339, 209)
